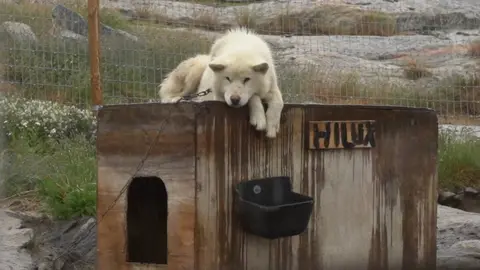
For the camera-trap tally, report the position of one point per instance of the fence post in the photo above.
(94, 51)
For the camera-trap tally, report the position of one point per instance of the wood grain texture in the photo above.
(125, 134)
(374, 208)
(361, 195)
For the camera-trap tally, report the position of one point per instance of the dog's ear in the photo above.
(216, 67)
(262, 68)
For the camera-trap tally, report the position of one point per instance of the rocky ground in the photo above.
(38, 242)
(32, 241)
(458, 239)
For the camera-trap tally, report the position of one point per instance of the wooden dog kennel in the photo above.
(371, 171)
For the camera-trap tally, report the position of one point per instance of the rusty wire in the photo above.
(372, 57)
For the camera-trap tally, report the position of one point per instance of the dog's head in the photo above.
(239, 78)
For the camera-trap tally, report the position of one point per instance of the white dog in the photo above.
(239, 70)
(184, 79)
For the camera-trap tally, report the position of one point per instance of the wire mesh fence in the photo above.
(326, 51)
(345, 52)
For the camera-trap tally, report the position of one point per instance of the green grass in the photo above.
(62, 172)
(321, 20)
(58, 70)
(216, 3)
(459, 161)
(462, 94)
(39, 17)
(414, 70)
(454, 96)
(327, 20)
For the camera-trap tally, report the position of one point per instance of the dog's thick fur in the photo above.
(239, 70)
(184, 79)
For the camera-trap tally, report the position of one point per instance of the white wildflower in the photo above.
(45, 118)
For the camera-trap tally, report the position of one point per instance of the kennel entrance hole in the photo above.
(147, 211)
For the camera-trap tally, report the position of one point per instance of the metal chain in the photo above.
(199, 94)
(141, 163)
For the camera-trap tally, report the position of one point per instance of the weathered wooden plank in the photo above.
(128, 130)
(405, 169)
(126, 134)
(374, 189)
(341, 134)
(230, 152)
(356, 223)
(374, 207)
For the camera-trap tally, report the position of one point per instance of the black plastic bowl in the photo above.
(268, 208)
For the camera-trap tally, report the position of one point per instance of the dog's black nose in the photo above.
(235, 100)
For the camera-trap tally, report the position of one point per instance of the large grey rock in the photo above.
(67, 19)
(19, 32)
(411, 15)
(375, 60)
(69, 35)
(33, 241)
(458, 239)
(13, 239)
(67, 245)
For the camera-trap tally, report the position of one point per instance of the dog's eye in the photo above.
(228, 79)
(246, 80)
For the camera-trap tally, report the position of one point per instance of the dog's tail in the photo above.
(184, 79)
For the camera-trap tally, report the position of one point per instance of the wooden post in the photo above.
(94, 51)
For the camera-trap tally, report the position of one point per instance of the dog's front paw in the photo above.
(273, 116)
(272, 130)
(259, 121)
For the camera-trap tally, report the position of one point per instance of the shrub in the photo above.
(284, 24)
(39, 17)
(68, 189)
(458, 159)
(460, 95)
(331, 20)
(246, 17)
(375, 23)
(50, 149)
(207, 20)
(63, 172)
(35, 120)
(415, 70)
(309, 84)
